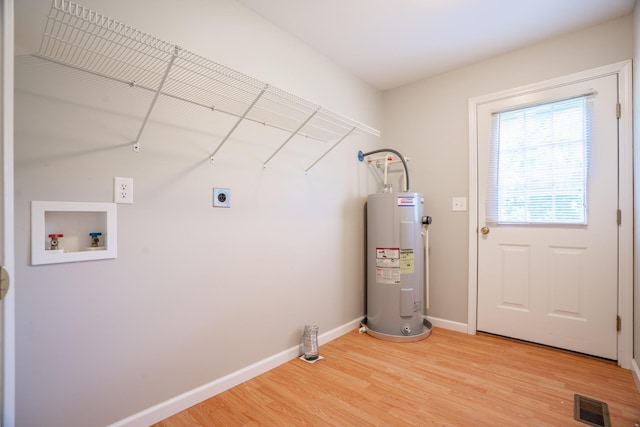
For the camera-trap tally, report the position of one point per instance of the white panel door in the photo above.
(549, 283)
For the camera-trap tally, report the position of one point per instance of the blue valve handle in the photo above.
(95, 234)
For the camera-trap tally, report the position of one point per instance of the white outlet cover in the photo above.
(123, 190)
(459, 204)
(222, 197)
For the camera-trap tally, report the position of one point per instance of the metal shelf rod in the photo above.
(332, 147)
(291, 136)
(136, 143)
(238, 122)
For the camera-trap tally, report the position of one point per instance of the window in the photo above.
(539, 165)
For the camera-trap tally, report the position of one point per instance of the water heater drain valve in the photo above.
(426, 220)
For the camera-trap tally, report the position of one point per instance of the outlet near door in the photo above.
(123, 190)
(459, 204)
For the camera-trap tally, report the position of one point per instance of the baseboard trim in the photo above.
(635, 369)
(181, 402)
(448, 324)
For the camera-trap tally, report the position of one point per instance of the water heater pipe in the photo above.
(388, 161)
(425, 235)
(404, 174)
(386, 168)
(362, 155)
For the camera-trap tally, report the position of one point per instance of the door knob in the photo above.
(4, 282)
(485, 230)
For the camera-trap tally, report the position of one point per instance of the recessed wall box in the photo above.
(75, 220)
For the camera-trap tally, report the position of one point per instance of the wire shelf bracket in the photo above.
(330, 149)
(294, 133)
(238, 122)
(82, 39)
(136, 142)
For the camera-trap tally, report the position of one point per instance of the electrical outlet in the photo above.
(222, 197)
(123, 190)
(459, 204)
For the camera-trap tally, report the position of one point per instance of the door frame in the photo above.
(8, 366)
(625, 179)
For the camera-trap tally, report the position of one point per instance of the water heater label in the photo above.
(407, 261)
(406, 201)
(387, 253)
(387, 262)
(389, 276)
(388, 265)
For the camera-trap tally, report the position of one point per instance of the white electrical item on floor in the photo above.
(222, 197)
(82, 39)
(72, 231)
(123, 190)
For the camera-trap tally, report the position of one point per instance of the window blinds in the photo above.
(539, 164)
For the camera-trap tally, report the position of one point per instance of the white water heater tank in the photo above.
(396, 266)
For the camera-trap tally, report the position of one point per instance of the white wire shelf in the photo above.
(80, 38)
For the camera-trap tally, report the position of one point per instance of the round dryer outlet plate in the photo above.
(221, 197)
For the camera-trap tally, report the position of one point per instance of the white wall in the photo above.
(196, 293)
(428, 121)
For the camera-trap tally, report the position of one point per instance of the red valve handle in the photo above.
(55, 236)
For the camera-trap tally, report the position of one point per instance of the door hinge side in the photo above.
(618, 323)
(619, 217)
(618, 110)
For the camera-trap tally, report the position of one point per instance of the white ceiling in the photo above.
(389, 43)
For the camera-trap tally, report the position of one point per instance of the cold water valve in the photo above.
(95, 239)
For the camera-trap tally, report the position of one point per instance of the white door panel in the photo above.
(554, 284)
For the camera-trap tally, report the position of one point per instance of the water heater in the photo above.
(396, 266)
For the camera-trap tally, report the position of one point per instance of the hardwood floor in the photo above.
(449, 379)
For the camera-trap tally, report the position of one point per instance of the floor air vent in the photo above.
(591, 411)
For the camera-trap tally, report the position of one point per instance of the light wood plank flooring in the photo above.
(449, 379)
